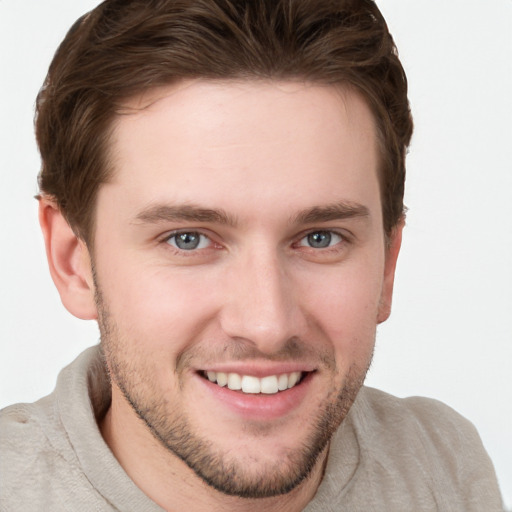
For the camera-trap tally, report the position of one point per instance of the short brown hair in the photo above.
(124, 47)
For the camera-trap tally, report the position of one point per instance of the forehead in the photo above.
(265, 142)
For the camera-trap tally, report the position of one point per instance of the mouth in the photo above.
(249, 384)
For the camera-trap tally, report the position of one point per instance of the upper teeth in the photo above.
(249, 384)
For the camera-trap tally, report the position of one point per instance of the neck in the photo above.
(171, 484)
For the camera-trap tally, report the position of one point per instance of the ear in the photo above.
(392, 251)
(69, 262)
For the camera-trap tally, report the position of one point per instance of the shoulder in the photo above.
(39, 466)
(429, 446)
(22, 430)
(27, 452)
(420, 423)
(413, 412)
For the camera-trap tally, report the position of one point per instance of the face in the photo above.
(240, 271)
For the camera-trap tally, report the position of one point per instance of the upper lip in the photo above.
(258, 370)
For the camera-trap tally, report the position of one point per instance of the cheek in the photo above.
(157, 308)
(346, 308)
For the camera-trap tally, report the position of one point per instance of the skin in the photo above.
(276, 162)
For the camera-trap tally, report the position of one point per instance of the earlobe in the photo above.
(392, 252)
(69, 262)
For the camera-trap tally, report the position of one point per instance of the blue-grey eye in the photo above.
(189, 241)
(320, 239)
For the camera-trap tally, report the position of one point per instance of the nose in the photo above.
(261, 305)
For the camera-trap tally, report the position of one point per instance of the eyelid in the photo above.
(174, 232)
(165, 239)
(332, 233)
(345, 237)
(201, 240)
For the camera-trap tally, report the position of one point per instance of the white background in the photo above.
(450, 335)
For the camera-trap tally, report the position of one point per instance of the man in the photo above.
(222, 190)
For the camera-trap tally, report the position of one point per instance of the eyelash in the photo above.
(331, 234)
(343, 239)
(176, 234)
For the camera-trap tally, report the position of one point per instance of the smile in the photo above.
(268, 385)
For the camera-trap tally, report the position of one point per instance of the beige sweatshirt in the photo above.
(390, 454)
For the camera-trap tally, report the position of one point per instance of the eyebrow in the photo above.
(335, 211)
(193, 213)
(189, 212)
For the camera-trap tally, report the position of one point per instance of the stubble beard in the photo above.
(218, 469)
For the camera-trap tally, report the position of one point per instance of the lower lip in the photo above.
(260, 406)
